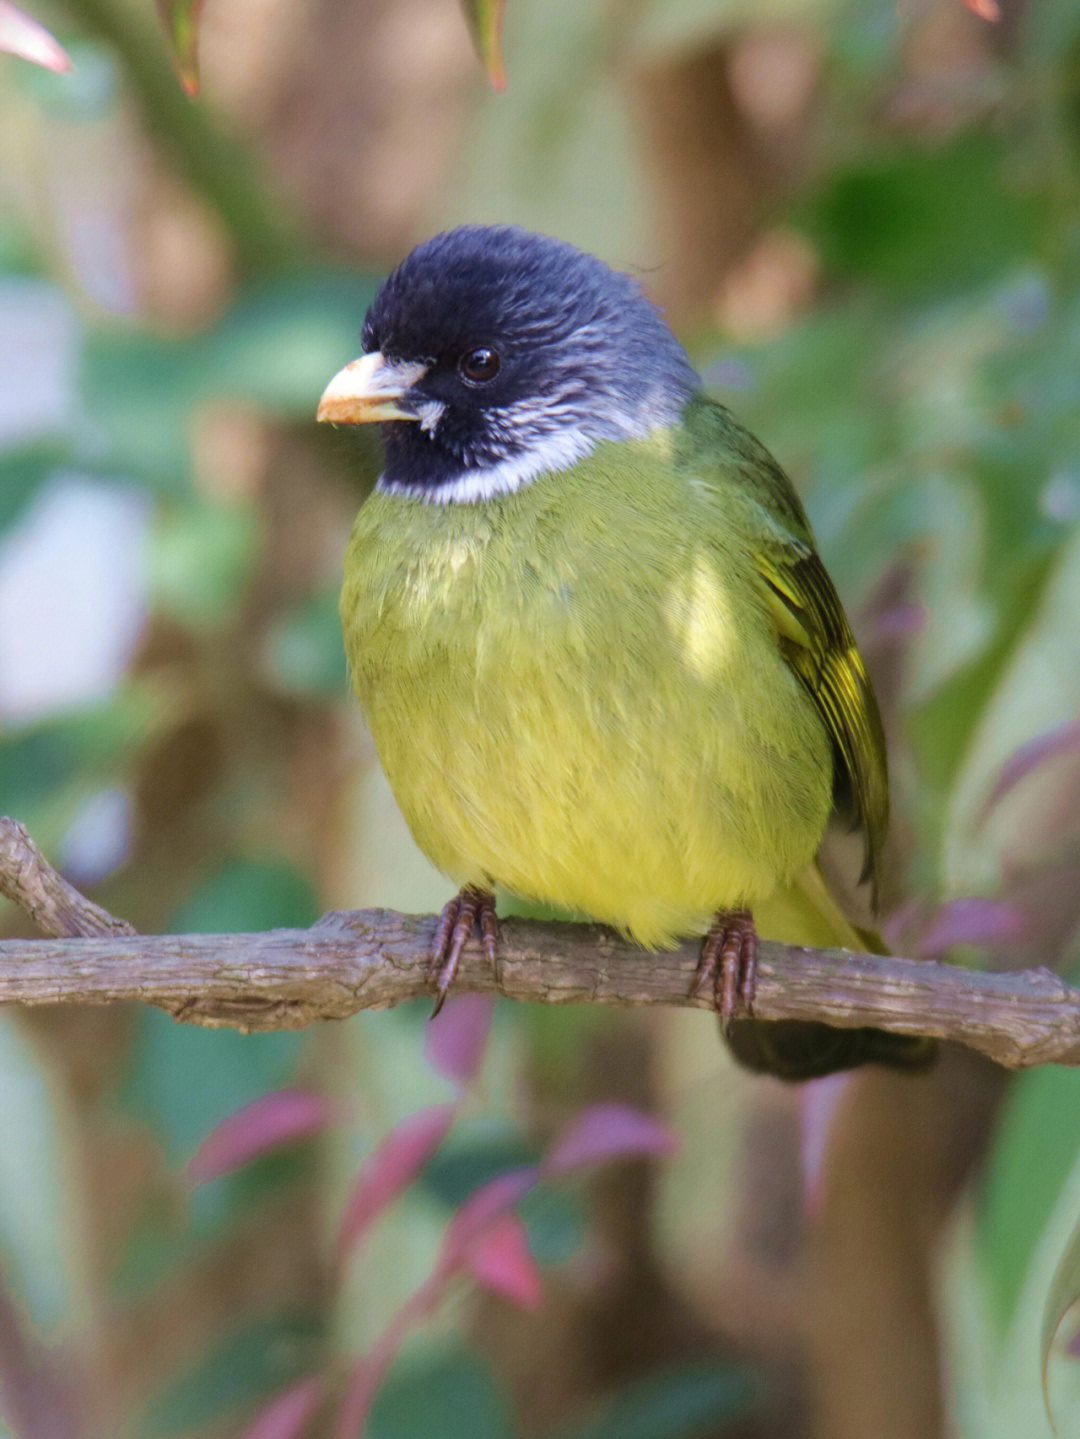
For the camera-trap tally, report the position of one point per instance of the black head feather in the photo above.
(533, 351)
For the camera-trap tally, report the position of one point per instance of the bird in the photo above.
(603, 664)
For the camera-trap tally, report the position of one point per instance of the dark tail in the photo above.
(796, 1049)
(807, 912)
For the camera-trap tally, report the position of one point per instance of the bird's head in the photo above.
(492, 355)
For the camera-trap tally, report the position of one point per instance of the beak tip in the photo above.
(366, 390)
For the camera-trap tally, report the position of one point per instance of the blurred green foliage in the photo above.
(927, 402)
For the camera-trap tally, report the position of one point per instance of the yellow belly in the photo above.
(566, 707)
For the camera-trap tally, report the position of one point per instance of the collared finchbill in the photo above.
(369, 389)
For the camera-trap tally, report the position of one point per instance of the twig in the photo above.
(374, 959)
(56, 907)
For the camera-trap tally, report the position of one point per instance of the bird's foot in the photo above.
(473, 907)
(728, 963)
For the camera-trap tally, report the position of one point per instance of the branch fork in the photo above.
(374, 959)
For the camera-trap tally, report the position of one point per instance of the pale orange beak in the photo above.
(369, 389)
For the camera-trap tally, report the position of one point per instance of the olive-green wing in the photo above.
(816, 640)
(811, 626)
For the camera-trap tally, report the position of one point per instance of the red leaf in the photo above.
(609, 1131)
(390, 1168)
(986, 923)
(288, 1416)
(481, 1210)
(456, 1040)
(502, 1262)
(181, 21)
(371, 1369)
(265, 1124)
(485, 21)
(1029, 757)
(22, 36)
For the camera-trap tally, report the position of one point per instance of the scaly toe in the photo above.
(729, 962)
(471, 907)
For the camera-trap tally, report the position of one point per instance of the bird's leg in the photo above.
(472, 907)
(728, 962)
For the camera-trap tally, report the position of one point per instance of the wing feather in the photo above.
(812, 629)
(816, 640)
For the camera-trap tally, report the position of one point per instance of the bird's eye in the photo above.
(479, 365)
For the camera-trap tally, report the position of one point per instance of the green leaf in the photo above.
(1064, 1292)
(556, 1224)
(198, 559)
(181, 21)
(276, 348)
(248, 895)
(48, 769)
(485, 21)
(183, 1080)
(43, 1258)
(1035, 1147)
(675, 1403)
(448, 1396)
(243, 1368)
(929, 220)
(475, 1152)
(23, 472)
(303, 652)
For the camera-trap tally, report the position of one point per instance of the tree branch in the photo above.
(374, 959)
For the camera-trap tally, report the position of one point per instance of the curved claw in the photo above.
(728, 963)
(473, 907)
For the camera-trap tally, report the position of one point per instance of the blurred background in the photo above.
(863, 216)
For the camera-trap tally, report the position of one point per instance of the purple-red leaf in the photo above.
(371, 1369)
(288, 1416)
(390, 1168)
(609, 1131)
(1031, 756)
(181, 21)
(899, 621)
(985, 9)
(456, 1040)
(20, 35)
(485, 21)
(985, 923)
(502, 1262)
(481, 1210)
(266, 1124)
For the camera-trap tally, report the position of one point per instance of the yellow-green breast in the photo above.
(577, 693)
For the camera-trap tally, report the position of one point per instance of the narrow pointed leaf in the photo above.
(23, 36)
(502, 1262)
(1030, 757)
(390, 1168)
(456, 1040)
(289, 1415)
(181, 21)
(1064, 1292)
(986, 923)
(985, 9)
(485, 22)
(609, 1131)
(264, 1125)
(481, 1210)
